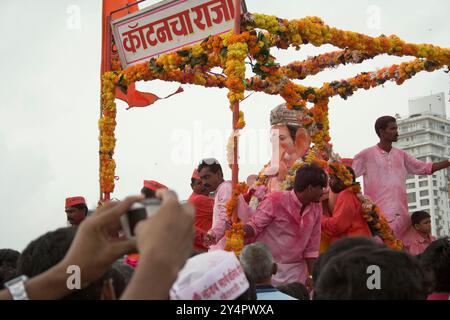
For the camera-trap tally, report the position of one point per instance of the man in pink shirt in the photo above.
(211, 176)
(384, 169)
(418, 237)
(288, 222)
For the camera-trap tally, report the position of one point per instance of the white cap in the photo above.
(214, 275)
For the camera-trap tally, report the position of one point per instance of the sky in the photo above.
(50, 93)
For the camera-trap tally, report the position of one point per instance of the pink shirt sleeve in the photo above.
(262, 217)
(414, 166)
(223, 196)
(359, 164)
(313, 246)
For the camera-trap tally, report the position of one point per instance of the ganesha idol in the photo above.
(291, 132)
(290, 141)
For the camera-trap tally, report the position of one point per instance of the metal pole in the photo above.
(106, 196)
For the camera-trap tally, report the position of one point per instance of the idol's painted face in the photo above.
(282, 136)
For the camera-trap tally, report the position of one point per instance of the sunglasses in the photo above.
(209, 161)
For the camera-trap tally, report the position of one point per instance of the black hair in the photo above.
(81, 206)
(418, 216)
(338, 247)
(148, 193)
(48, 250)
(121, 275)
(295, 289)
(213, 165)
(436, 260)
(382, 123)
(310, 175)
(347, 275)
(8, 265)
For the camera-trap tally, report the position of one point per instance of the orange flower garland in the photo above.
(376, 220)
(235, 236)
(107, 125)
(341, 171)
(302, 69)
(193, 65)
(313, 30)
(235, 71)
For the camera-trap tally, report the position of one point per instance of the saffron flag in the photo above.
(133, 97)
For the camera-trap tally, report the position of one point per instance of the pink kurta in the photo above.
(290, 237)
(219, 222)
(415, 243)
(384, 182)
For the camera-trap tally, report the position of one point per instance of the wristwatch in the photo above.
(16, 287)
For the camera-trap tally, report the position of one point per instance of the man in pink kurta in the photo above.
(289, 223)
(219, 223)
(384, 169)
(211, 175)
(290, 237)
(384, 181)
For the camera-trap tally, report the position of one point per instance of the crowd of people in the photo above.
(179, 252)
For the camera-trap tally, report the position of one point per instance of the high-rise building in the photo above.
(425, 135)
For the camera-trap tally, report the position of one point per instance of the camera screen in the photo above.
(134, 216)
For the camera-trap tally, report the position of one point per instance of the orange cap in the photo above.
(154, 185)
(74, 200)
(195, 175)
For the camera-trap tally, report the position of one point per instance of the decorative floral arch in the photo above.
(261, 32)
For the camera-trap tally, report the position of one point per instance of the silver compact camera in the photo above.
(139, 211)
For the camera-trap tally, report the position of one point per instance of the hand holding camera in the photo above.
(169, 230)
(139, 211)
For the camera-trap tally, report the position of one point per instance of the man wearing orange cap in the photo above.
(203, 205)
(76, 210)
(150, 187)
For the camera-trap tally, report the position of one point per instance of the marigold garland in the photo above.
(228, 51)
(107, 125)
(313, 30)
(234, 237)
(376, 220)
(341, 172)
(312, 156)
